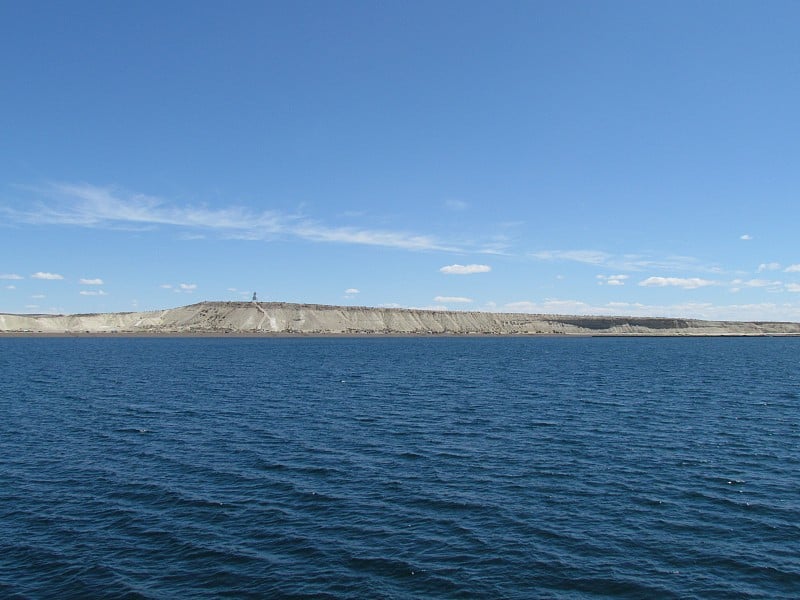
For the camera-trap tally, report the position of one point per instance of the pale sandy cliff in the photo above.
(283, 318)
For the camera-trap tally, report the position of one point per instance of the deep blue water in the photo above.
(400, 468)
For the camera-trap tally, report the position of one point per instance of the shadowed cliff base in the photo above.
(280, 318)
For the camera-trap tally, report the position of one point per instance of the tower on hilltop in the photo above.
(255, 298)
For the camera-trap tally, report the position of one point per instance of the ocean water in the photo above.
(400, 468)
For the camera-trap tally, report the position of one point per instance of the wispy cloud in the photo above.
(792, 269)
(746, 237)
(687, 283)
(48, 276)
(188, 287)
(11, 287)
(351, 291)
(452, 299)
(319, 233)
(589, 257)
(624, 262)
(772, 266)
(757, 283)
(495, 249)
(11, 276)
(86, 205)
(97, 281)
(92, 293)
(454, 204)
(465, 269)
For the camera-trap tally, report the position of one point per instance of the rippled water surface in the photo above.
(400, 468)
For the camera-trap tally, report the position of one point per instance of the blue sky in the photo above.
(634, 158)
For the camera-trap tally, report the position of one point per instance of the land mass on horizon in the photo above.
(281, 318)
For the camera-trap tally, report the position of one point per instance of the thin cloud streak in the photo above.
(623, 262)
(757, 283)
(687, 283)
(86, 205)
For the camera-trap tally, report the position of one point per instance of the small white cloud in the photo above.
(97, 281)
(689, 283)
(792, 269)
(465, 269)
(11, 287)
(773, 266)
(453, 299)
(351, 291)
(166, 286)
(92, 293)
(746, 237)
(12, 276)
(612, 279)
(188, 287)
(42, 275)
(793, 287)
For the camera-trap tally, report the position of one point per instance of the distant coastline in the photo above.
(280, 319)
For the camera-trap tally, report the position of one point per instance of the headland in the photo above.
(289, 319)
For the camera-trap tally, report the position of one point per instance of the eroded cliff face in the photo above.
(282, 318)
